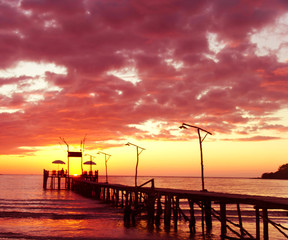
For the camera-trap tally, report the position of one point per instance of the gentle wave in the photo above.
(17, 214)
(18, 236)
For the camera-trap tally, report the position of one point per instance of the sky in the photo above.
(116, 71)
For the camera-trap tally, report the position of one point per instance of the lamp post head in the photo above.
(182, 127)
(127, 144)
(106, 154)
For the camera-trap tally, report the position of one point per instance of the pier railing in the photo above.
(61, 180)
(164, 203)
(56, 178)
(152, 183)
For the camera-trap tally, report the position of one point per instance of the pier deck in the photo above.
(149, 201)
(260, 201)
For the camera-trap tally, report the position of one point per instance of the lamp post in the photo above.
(82, 144)
(185, 126)
(138, 153)
(107, 156)
(63, 140)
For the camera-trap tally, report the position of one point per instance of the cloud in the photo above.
(255, 138)
(129, 62)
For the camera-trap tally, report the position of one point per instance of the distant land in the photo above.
(282, 173)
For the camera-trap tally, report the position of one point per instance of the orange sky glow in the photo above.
(134, 71)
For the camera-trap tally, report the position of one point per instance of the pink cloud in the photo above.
(255, 138)
(165, 42)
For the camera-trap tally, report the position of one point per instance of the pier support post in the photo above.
(117, 197)
(175, 211)
(122, 198)
(59, 182)
(127, 210)
(208, 218)
(223, 220)
(45, 178)
(150, 205)
(127, 215)
(257, 212)
(134, 203)
(103, 194)
(98, 192)
(265, 224)
(159, 211)
(167, 212)
(202, 216)
(136, 199)
(68, 182)
(192, 221)
(52, 182)
(108, 195)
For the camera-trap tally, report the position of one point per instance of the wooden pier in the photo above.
(164, 205)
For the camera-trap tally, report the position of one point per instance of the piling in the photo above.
(265, 223)
(223, 220)
(192, 222)
(167, 212)
(208, 217)
(45, 178)
(257, 213)
(175, 202)
(159, 211)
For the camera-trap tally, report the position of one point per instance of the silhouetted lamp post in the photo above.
(138, 153)
(185, 126)
(107, 156)
(67, 158)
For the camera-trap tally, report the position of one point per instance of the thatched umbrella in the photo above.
(58, 162)
(90, 163)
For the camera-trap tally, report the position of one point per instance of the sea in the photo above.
(29, 212)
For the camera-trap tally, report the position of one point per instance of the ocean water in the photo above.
(29, 212)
